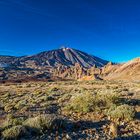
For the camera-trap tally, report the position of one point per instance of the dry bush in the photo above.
(14, 132)
(11, 121)
(15, 128)
(87, 102)
(43, 122)
(122, 112)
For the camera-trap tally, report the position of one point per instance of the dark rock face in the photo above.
(6, 61)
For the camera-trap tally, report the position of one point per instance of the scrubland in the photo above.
(95, 110)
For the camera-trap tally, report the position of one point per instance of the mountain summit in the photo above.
(65, 56)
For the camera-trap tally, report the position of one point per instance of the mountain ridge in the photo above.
(64, 56)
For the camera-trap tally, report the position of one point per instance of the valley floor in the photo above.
(92, 110)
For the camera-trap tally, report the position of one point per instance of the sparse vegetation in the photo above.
(26, 107)
(82, 103)
(14, 132)
(122, 112)
(15, 128)
(88, 102)
(11, 121)
(41, 123)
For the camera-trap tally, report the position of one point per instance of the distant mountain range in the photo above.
(66, 63)
(63, 56)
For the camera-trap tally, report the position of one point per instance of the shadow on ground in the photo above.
(134, 137)
(137, 115)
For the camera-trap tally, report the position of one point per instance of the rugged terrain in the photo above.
(127, 71)
(64, 64)
(68, 94)
(98, 110)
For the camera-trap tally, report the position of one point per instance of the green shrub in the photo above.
(8, 108)
(13, 128)
(41, 123)
(14, 132)
(123, 112)
(20, 104)
(11, 121)
(90, 102)
(107, 99)
(53, 89)
(82, 103)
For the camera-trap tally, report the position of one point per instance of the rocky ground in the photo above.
(32, 99)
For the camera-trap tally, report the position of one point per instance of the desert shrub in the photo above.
(45, 98)
(106, 99)
(81, 103)
(14, 132)
(20, 104)
(64, 98)
(122, 112)
(90, 102)
(8, 108)
(9, 122)
(36, 92)
(43, 122)
(53, 89)
(6, 95)
(45, 104)
(29, 85)
(13, 128)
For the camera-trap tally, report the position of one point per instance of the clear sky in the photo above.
(109, 29)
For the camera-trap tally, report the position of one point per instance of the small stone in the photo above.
(104, 126)
(68, 137)
(122, 123)
(97, 137)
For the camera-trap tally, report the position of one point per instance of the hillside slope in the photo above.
(53, 58)
(126, 71)
(64, 56)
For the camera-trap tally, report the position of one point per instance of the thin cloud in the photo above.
(26, 7)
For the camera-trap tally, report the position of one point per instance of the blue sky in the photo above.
(109, 29)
